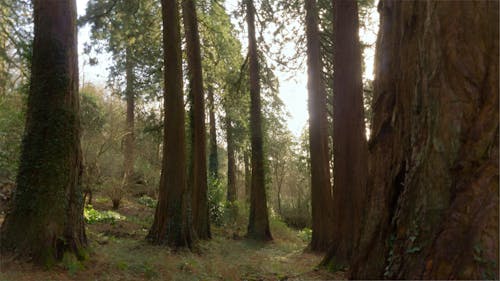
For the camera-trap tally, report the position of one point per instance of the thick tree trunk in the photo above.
(231, 163)
(198, 163)
(129, 139)
(433, 189)
(321, 190)
(213, 158)
(46, 221)
(258, 224)
(350, 149)
(172, 225)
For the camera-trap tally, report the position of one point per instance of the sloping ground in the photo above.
(119, 252)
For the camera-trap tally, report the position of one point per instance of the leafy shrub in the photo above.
(92, 215)
(147, 201)
(305, 234)
(115, 191)
(216, 201)
(297, 217)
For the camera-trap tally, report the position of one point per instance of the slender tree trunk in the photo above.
(279, 198)
(3, 73)
(258, 224)
(198, 163)
(129, 140)
(321, 190)
(248, 175)
(231, 163)
(46, 221)
(433, 189)
(172, 225)
(350, 149)
(213, 158)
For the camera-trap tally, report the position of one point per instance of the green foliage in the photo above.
(71, 263)
(306, 234)
(147, 201)
(216, 199)
(92, 216)
(11, 130)
(130, 31)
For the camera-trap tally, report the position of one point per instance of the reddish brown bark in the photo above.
(321, 190)
(46, 220)
(171, 224)
(433, 189)
(198, 180)
(349, 141)
(258, 224)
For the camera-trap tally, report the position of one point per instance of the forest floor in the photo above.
(120, 252)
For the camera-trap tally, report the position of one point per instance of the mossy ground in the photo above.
(119, 252)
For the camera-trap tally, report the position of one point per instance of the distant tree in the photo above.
(46, 220)
(349, 140)
(130, 32)
(198, 158)
(318, 137)
(213, 158)
(231, 163)
(172, 225)
(258, 225)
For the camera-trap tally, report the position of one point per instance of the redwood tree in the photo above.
(171, 224)
(258, 224)
(198, 157)
(433, 188)
(213, 158)
(46, 219)
(231, 161)
(321, 191)
(349, 141)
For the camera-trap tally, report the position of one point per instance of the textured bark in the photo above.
(258, 224)
(198, 177)
(172, 225)
(231, 163)
(321, 190)
(213, 158)
(46, 220)
(129, 139)
(433, 189)
(349, 141)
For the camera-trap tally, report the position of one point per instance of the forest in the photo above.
(158, 139)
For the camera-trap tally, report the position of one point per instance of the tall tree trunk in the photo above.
(349, 139)
(321, 190)
(3, 73)
(172, 225)
(258, 224)
(433, 189)
(46, 221)
(129, 140)
(231, 163)
(213, 158)
(198, 163)
(248, 175)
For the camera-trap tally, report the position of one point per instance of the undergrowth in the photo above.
(120, 251)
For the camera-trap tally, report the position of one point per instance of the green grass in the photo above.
(120, 252)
